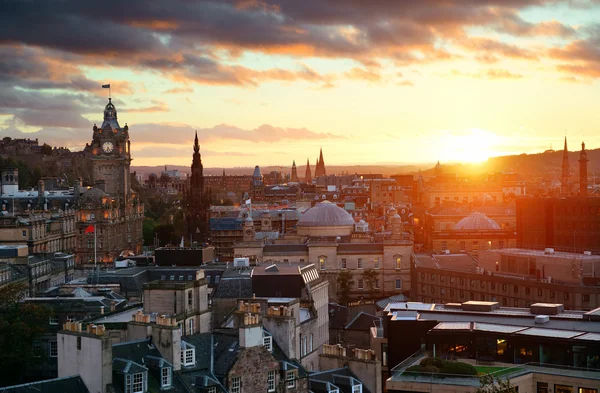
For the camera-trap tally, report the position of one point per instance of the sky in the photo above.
(269, 82)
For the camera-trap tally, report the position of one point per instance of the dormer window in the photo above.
(357, 388)
(188, 354)
(268, 343)
(165, 377)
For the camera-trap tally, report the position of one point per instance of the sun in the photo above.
(474, 145)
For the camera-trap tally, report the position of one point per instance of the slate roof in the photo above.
(340, 377)
(234, 287)
(363, 321)
(338, 316)
(72, 384)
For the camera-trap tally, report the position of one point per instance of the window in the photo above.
(166, 377)
(360, 283)
(236, 385)
(271, 381)
(376, 283)
(290, 379)
(566, 296)
(172, 277)
(472, 283)
(190, 298)
(516, 289)
(360, 263)
(501, 244)
(78, 343)
(463, 246)
(398, 262)
(527, 291)
(190, 277)
(539, 292)
(444, 245)
(504, 287)
(552, 294)
(180, 278)
(442, 278)
(462, 281)
(585, 297)
(322, 262)
(70, 318)
(422, 276)
(357, 388)
(398, 283)
(188, 354)
(432, 277)
(53, 349)
(376, 263)
(53, 320)
(344, 263)
(24, 233)
(212, 389)
(138, 383)
(310, 343)
(190, 326)
(268, 343)
(442, 291)
(451, 280)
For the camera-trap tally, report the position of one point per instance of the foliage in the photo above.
(491, 383)
(148, 230)
(369, 276)
(166, 234)
(440, 366)
(344, 284)
(21, 324)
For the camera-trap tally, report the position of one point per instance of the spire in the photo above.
(294, 177)
(566, 172)
(583, 171)
(308, 174)
(196, 145)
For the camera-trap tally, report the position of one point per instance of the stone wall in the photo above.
(252, 366)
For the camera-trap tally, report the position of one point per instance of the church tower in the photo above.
(294, 173)
(320, 168)
(566, 171)
(308, 174)
(197, 200)
(583, 171)
(111, 155)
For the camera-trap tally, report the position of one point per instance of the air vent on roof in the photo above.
(541, 319)
(480, 306)
(546, 309)
(549, 251)
(587, 253)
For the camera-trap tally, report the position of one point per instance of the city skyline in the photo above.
(457, 82)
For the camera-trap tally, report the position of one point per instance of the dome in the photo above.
(325, 219)
(110, 116)
(92, 198)
(476, 221)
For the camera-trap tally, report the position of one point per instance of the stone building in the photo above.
(111, 208)
(324, 238)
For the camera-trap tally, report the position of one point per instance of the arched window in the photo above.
(322, 262)
(398, 261)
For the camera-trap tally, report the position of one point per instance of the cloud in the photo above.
(362, 74)
(580, 57)
(488, 74)
(179, 90)
(175, 151)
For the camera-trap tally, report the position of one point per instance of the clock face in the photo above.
(248, 232)
(107, 147)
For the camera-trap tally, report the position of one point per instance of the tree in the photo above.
(369, 276)
(490, 383)
(21, 324)
(148, 231)
(344, 284)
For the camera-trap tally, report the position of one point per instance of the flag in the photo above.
(249, 201)
(89, 229)
(106, 86)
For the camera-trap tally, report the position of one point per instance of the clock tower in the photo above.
(111, 155)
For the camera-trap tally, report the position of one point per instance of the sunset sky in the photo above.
(268, 82)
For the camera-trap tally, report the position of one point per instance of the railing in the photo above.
(399, 373)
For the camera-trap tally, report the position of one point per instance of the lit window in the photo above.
(376, 263)
(322, 261)
(398, 262)
(290, 379)
(271, 381)
(166, 377)
(53, 349)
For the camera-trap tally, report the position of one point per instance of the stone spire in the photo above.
(197, 199)
(583, 171)
(566, 172)
(308, 174)
(320, 168)
(294, 173)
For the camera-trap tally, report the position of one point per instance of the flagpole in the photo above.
(95, 251)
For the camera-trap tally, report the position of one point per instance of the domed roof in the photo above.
(325, 214)
(475, 221)
(110, 116)
(92, 198)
